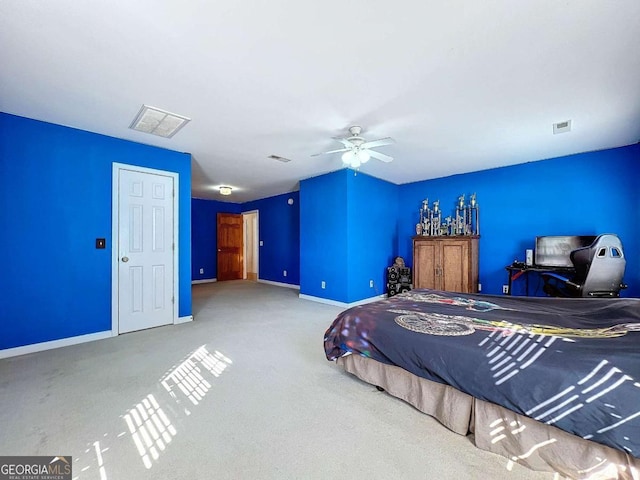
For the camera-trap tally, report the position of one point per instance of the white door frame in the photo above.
(256, 246)
(115, 215)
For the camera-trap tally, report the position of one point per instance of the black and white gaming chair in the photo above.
(599, 271)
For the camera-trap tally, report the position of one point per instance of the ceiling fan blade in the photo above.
(331, 151)
(378, 143)
(344, 141)
(380, 156)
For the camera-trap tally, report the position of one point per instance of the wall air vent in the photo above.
(562, 127)
(280, 159)
(158, 122)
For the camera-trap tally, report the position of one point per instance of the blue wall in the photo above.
(55, 200)
(323, 236)
(279, 229)
(352, 226)
(589, 193)
(371, 233)
(204, 240)
(347, 235)
(343, 228)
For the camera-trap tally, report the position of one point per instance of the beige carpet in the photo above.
(243, 392)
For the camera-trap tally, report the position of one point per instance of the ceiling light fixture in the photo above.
(354, 158)
(158, 122)
(225, 190)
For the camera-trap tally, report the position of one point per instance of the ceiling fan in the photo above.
(357, 150)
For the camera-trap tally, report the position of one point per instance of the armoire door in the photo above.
(454, 259)
(425, 256)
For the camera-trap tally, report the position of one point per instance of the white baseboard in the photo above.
(280, 284)
(204, 280)
(342, 304)
(63, 342)
(66, 342)
(322, 300)
(368, 300)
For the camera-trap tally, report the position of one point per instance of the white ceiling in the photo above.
(461, 85)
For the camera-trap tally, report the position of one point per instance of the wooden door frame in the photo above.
(115, 234)
(256, 242)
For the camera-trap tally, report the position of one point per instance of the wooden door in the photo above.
(230, 246)
(455, 266)
(145, 250)
(425, 256)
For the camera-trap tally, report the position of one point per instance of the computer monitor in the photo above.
(554, 250)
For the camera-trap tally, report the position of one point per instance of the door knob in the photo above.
(125, 259)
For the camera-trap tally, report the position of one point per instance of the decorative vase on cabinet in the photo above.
(446, 263)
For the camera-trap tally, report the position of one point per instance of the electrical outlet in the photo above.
(505, 288)
(284, 273)
(201, 271)
(370, 283)
(323, 284)
(479, 287)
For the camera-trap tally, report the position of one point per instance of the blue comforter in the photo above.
(572, 363)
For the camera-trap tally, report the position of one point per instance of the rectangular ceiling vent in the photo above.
(158, 122)
(562, 127)
(280, 159)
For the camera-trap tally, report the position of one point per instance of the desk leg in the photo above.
(510, 282)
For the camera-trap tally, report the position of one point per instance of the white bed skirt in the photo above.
(496, 429)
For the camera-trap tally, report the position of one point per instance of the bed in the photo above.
(549, 383)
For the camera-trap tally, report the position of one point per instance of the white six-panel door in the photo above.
(145, 250)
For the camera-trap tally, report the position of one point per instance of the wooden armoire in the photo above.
(446, 263)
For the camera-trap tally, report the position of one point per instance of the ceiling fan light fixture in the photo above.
(224, 190)
(355, 158)
(358, 151)
(348, 157)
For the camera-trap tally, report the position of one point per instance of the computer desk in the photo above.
(517, 270)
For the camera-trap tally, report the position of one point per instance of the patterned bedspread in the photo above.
(572, 363)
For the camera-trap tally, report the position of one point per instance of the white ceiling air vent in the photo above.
(158, 122)
(280, 159)
(562, 127)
